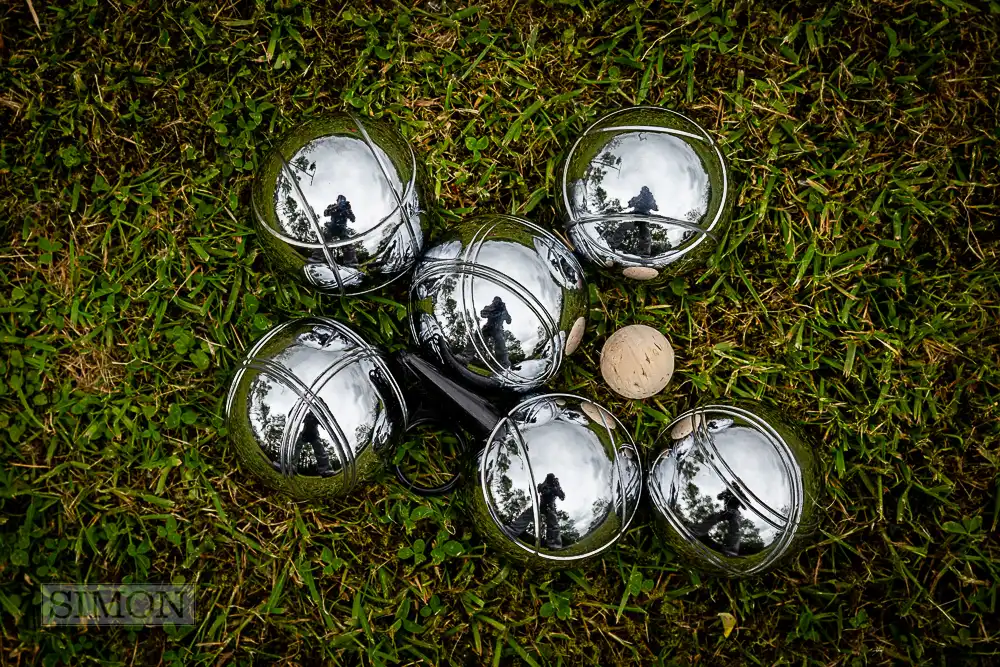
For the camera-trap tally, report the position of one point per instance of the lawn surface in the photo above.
(858, 291)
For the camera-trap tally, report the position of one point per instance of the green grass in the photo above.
(858, 291)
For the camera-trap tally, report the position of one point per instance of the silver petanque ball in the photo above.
(733, 489)
(557, 483)
(646, 194)
(313, 408)
(499, 302)
(339, 203)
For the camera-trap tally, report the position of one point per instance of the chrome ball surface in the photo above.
(557, 483)
(339, 203)
(313, 408)
(646, 194)
(733, 489)
(499, 302)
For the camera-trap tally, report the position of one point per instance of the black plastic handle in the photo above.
(447, 404)
(476, 413)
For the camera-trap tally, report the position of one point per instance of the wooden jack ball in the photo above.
(637, 361)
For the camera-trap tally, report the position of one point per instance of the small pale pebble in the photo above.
(637, 361)
(575, 335)
(640, 272)
(685, 427)
(598, 414)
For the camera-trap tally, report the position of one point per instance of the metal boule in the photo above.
(499, 302)
(734, 488)
(646, 194)
(313, 409)
(339, 202)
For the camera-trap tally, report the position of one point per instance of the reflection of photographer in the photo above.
(548, 491)
(643, 204)
(731, 516)
(336, 228)
(496, 314)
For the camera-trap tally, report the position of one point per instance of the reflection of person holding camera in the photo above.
(643, 204)
(548, 491)
(496, 314)
(336, 228)
(731, 516)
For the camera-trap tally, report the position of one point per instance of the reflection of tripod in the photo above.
(548, 491)
(496, 314)
(309, 435)
(731, 516)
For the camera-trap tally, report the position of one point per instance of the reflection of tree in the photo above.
(296, 221)
(400, 240)
(510, 501)
(454, 328)
(600, 510)
(301, 163)
(514, 350)
(629, 488)
(362, 434)
(269, 428)
(542, 341)
(596, 171)
(567, 529)
(751, 540)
